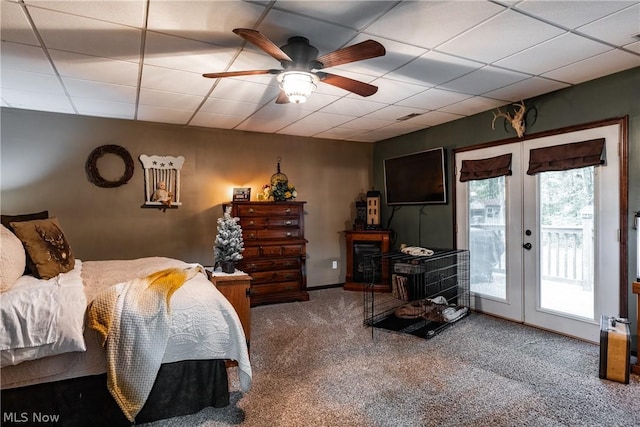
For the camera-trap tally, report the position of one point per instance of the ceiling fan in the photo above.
(300, 62)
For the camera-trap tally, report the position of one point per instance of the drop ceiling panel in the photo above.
(484, 80)
(144, 59)
(208, 21)
(244, 91)
(339, 133)
(129, 12)
(175, 100)
(527, 88)
(97, 69)
(392, 91)
(26, 58)
(434, 118)
(326, 37)
(352, 107)
(38, 83)
(100, 91)
(100, 108)
(346, 13)
(183, 54)
(433, 99)
(152, 113)
(430, 23)
(14, 25)
(617, 28)
(164, 79)
(396, 55)
(501, 36)
(552, 54)
(228, 107)
(365, 123)
(433, 69)
(603, 64)
(215, 120)
(569, 14)
(470, 106)
(37, 101)
(89, 36)
(315, 123)
(394, 112)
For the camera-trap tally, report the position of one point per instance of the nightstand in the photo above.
(236, 288)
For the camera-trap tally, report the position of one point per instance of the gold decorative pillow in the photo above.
(47, 246)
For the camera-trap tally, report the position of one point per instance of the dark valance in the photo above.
(566, 156)
(485, 168)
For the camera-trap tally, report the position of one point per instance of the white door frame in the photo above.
(621, 204)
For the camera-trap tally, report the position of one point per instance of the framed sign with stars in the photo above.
(162, 180)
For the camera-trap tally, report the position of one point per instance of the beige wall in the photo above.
(43, 157)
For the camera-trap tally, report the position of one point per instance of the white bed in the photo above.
(203, 324)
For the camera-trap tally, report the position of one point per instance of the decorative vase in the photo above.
(228, 267)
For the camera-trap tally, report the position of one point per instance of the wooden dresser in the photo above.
(274, 250)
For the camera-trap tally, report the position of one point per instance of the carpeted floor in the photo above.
(314, 364)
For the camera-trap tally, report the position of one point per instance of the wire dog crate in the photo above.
(428, 293)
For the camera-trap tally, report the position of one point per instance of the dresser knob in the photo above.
(251, 223)
(250, 210)
(288, 210)
(289, 234)
(287, 223)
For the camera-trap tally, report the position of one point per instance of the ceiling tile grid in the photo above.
(144, 59)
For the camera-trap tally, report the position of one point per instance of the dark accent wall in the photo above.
(613, 96)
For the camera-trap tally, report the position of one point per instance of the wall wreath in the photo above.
(92, 166)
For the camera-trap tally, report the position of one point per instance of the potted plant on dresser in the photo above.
(229, 243)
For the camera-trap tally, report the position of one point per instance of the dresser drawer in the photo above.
(278, 250)
(261, 222)
(251, 266)
(271, 234)
(268, 209)
(275, 276)
(274, 288)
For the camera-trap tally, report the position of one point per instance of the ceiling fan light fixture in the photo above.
(298, 85)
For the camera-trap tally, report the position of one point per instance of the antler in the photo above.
(500, 114)
(517, 121)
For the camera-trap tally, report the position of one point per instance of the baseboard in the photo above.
(318, 288)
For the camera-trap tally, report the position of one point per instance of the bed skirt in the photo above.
(181, 388)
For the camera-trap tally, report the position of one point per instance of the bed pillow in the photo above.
(8, 219)
(47, 246)
(12, 259)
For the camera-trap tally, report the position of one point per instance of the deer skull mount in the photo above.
(517, 121)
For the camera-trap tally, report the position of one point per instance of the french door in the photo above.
(544, 248)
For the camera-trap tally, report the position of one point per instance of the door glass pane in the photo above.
(566, 261)
(487, 236)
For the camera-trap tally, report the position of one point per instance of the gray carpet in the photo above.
(314, 364)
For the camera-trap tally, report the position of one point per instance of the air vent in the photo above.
(408, 116)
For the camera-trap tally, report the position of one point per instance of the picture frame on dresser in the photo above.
(274, 250)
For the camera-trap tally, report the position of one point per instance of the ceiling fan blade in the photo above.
(355, 86)
(282, 98)
(239, 73)
(258, 39)
(365, 50)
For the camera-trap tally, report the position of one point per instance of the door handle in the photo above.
(527, 246)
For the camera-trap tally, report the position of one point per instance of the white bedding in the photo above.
(42, 317)
(204, 325)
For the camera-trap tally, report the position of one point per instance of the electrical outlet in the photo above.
(334, 264)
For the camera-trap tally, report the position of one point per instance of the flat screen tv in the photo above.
(416, 179)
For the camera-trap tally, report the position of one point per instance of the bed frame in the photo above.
(181, 388)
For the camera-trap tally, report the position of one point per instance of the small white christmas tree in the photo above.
(229, 244)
